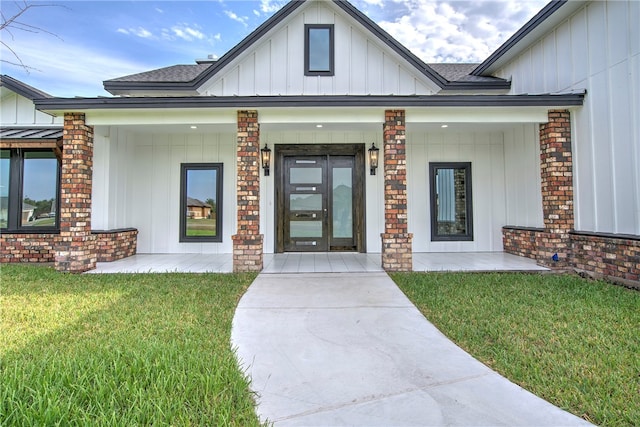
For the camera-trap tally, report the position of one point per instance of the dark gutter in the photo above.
(533, 23)
(254, 36)
(22, 89)
(545, 100)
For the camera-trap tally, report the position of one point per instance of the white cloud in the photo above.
(186, 32)
(453, 31)
(234, 17)
(139, 32)
(271, 6)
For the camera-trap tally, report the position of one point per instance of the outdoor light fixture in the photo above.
(373, 158)
(265, 153)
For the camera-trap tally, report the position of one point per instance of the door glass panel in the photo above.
(342, 203)
(305, 202)
(306, 175)
(39, 189)
(305, 229)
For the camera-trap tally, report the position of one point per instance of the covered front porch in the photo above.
(320, 262)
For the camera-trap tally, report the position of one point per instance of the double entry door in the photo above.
(320, 199)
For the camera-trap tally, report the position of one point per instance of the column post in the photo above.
(556, 171)
(248, 242)
(76, 250)
(396, 241)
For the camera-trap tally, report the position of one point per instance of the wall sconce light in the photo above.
(265, 154)
(373, 158)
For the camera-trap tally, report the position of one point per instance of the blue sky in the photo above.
(78, 44)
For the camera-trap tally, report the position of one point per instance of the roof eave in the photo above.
(22, 89)
(80, 104)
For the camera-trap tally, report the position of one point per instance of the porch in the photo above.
(325, 262)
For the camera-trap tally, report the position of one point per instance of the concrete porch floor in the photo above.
(335, 262)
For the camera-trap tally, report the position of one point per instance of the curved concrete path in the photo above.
(350, 349)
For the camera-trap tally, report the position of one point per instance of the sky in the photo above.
(71, 46)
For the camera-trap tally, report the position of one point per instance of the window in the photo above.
(201, 202)
(29, 190)
(318, 50)
(451, 204)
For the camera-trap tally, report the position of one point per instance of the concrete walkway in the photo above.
(350, 349)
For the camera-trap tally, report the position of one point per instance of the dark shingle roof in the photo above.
(174, 73)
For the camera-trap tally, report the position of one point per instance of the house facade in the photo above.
(533, 152)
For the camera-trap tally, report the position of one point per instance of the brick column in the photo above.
(248, 242)
(556, 169)
(76, 250)
(396, 242)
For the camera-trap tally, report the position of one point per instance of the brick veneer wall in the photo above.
(396, 241)
(76, 249)
(521, 241)
(28, 247)
(610, 255)
(556, 171)
(112, 245)
(248, 242)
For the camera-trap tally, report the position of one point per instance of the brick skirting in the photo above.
(28, 247)
(611, 255)
(615, 256)
(111, 245)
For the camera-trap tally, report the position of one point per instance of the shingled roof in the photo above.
(172, 74)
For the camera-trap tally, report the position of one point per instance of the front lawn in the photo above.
(572, 341)
(125, 349)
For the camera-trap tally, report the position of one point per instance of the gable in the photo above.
(274, 65)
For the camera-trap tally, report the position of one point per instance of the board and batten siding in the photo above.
(597, 49)
(363, 64)
(18, 110)
(503, 163)
(137, 184)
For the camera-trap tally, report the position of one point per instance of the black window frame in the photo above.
(307, 70)
(184, 168)
(435, 236)
(16, 196)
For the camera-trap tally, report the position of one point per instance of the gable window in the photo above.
(318, 50)
(451, 204)
(201, 202)
(29, 190)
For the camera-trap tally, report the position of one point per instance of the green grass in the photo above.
(130, 349)
(572, 341)
(201, 227)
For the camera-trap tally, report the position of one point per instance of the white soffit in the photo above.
(158, 116)
(477, 115)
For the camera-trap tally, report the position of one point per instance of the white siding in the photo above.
(597, 49)
(18, 110)
(137, 184)
(275, 65)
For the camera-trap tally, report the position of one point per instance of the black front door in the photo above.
(320, 201)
